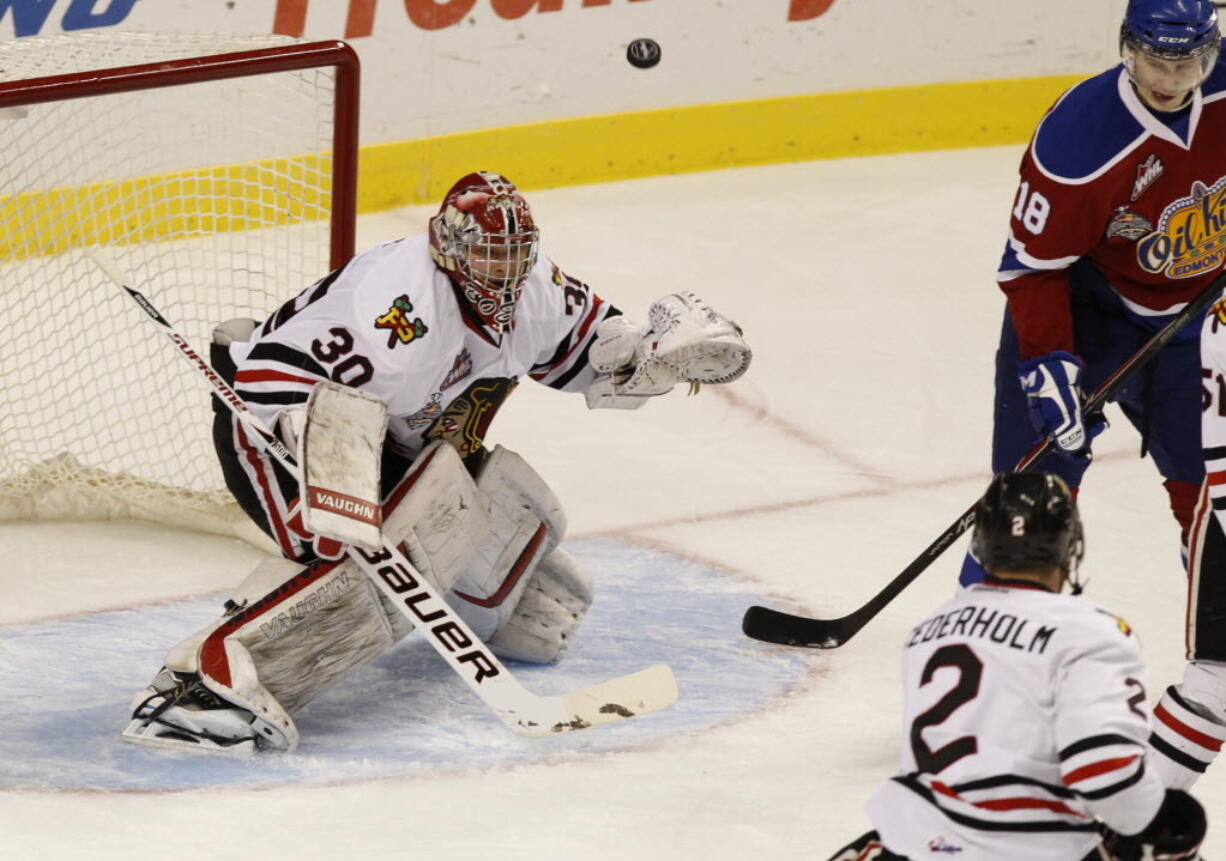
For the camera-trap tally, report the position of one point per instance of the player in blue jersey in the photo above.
(1119, 221)
(1116, 225)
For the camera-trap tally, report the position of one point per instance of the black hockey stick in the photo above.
(773, 626)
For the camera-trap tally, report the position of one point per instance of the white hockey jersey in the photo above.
(1213, 415)
(389, 322)
(1025, 718)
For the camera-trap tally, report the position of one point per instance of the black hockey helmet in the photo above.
(1027, 520)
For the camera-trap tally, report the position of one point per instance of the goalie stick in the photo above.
(523, 711)
(774, 626)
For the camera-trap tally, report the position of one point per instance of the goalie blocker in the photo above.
(290, 630)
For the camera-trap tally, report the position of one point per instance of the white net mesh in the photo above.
(213, 198)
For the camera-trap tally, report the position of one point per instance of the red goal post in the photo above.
(220, 174)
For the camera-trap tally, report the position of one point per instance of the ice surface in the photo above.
(866, 290)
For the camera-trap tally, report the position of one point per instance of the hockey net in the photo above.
(216, 172)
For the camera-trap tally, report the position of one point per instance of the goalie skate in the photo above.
(178, 711)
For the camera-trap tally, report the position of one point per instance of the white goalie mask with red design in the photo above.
(484, 238)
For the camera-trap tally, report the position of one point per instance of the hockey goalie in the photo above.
(384, 377)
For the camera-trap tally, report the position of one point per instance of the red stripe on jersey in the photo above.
(1004, 804)
(1208, 742)
(1094, 769)
(259, 466)
(213, 659)
(272, 377)
(872, 850)
(1028, 804)
(1215, 478)
(945, 790)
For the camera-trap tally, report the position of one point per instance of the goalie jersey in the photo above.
(1025, 719)
(389, 323)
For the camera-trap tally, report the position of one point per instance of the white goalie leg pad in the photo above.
(318, 627)
(437, 515)
(290, 631)
(230, 711)
(526, 522)
(543, 622)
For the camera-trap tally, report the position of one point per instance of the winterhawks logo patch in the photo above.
(401, 330)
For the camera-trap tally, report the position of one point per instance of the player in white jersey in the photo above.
(1190, 720)
(1025, 723)
(440, 328)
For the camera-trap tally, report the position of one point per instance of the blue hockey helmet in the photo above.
(1171, 29)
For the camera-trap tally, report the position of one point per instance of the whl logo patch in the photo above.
(401, 330)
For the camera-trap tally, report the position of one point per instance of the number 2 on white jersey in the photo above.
(1031, 209)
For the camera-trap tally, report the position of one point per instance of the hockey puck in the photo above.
(643, 53)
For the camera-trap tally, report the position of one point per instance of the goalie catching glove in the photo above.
(687, 341)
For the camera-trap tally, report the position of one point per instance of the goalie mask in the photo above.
(484, 238)
(1027, 521)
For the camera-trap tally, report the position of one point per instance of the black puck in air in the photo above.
(643, 53)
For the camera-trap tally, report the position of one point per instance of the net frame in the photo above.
(62, 485)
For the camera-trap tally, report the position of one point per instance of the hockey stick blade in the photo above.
(521, 710)
(774, 626)
(639, 693)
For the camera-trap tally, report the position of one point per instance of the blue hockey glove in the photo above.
(1053, 392)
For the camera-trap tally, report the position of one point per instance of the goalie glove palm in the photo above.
(688, 342)
(1052, 384)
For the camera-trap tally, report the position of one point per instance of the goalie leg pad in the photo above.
(526, 523)
(540, 627)
(291, 630)
(437, 516)
(304, 633)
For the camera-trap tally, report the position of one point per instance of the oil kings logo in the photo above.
(1191, 234)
